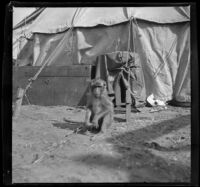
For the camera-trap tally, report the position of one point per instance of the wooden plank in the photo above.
(58, 91)
(55, 71)
(49, 90)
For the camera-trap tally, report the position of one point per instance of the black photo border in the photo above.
(6, 94)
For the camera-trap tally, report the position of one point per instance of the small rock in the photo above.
(54, 144)
(63, 141)
(35, 157)
(174, 158)
(188, 155)
(52, 156)
(151, 164)
(138, 155)
(137, 163)
(69, 108)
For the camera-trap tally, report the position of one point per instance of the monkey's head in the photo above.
(98, 87)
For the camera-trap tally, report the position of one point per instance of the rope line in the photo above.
(31, 80)
(27, 99)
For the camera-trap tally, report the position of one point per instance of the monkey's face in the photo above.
(97, 91)
(98, 86)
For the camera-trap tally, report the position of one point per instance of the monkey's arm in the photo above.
(102, 114)
(107, 108)
(88, 111)
(87, 117)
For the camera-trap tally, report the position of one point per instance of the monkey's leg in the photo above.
(104, 123)
(96, 122)
(107, 122)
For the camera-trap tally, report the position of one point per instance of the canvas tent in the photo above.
(22, 25)
(158, 37)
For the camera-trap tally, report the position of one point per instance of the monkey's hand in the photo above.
(88, 124)
(96, 125)
(95, 122)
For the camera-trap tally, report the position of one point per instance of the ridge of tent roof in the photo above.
(54, 20)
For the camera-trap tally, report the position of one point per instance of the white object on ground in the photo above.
(155, 102)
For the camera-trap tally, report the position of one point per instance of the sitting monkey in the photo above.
(100, 109)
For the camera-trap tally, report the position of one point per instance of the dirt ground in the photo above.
(154, 147)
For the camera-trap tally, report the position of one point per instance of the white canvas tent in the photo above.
(22, 19)
(160, 36)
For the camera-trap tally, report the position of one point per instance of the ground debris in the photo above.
(158, 109)
(153, 145)
(35, 158)
(148, 150)
(68, 108)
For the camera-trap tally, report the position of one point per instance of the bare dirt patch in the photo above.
(154, 147)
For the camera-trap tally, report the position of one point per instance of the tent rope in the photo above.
(128, 50)
(127, 83)
(127, 66)
(71, 30)
(137, 26)
(31, 80)
(27, 99)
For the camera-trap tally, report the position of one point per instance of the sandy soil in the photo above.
(154, 147)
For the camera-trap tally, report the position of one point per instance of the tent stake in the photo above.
(21, 92)
(18, 103)
(128, 107)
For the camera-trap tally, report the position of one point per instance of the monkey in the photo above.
(99, 107)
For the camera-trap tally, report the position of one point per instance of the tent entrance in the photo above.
(109, 68)
(93, 72)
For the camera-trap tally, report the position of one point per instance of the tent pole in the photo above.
(128, 96)
(36, 49)
(110, 89)
(98, 68)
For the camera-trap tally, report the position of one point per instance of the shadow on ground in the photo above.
(137, 160)
(75, 126)
(122, 110)
(67, 124)
(119, 120)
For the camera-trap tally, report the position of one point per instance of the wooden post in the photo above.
(118, 93)
(128, 95)
(18, 103)
(98, 68)
(109, 86)
(36, 49)
(128, 107)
